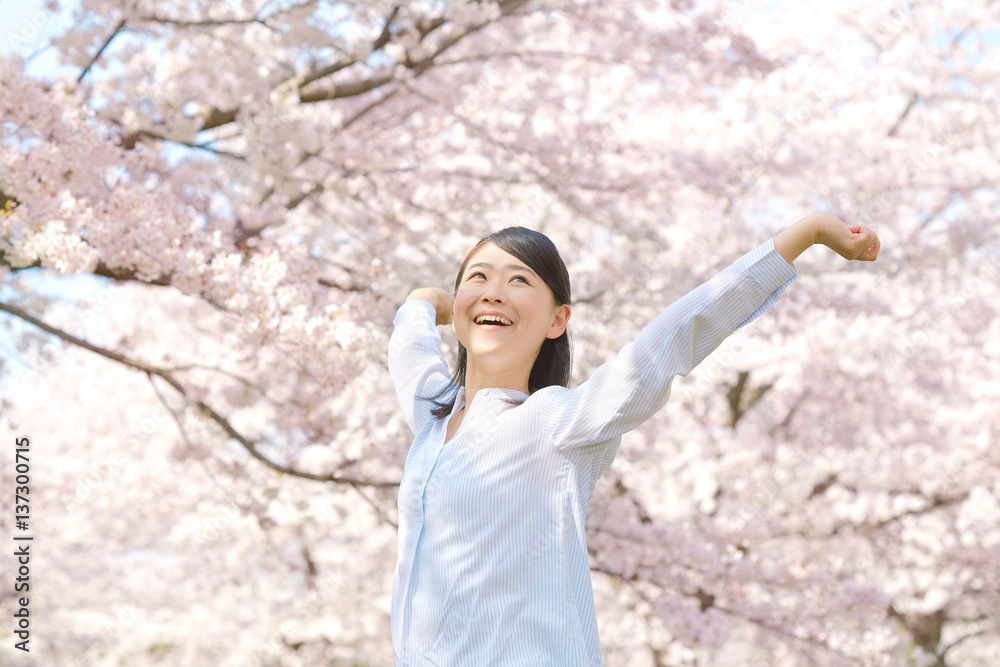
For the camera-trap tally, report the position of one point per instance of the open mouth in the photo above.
(492, 322)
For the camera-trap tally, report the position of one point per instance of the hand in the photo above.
(438, 298)
(849, 241)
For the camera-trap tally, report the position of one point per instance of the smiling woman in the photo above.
(518, 275)
(492, 564)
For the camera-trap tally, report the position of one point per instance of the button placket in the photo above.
(440, 446)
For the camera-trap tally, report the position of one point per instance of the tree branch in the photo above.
(218, 117)
(374, 506)
(126, 275)
(128, 142)
(202, 24)
(349, 89)
(101, 269)
(205, 409)
(786, 422)
(971, 635)
(707, 600)
(384, 37)
(343, 288)
(937, 502)
(114, 33)
(867, 528)
(909, 105)
(364, 111)
(932, 215)
(740, 400)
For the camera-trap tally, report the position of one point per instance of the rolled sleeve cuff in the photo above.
(769, 268)
(417, 308)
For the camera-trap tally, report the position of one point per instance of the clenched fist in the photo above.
(438, 298)
(849, 241)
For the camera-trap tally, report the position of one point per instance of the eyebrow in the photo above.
(516, 267)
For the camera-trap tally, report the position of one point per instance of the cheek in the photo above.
(463, 301)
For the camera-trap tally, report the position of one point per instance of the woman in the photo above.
(492, 564)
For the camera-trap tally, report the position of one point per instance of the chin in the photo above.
(490, 351)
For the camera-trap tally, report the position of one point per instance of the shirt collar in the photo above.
(487, 391)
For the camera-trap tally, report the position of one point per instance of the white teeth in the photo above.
(492, 319)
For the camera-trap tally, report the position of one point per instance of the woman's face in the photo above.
(496, 281)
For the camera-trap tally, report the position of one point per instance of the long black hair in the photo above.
(554, 363)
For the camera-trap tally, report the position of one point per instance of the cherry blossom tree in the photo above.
(211, 211)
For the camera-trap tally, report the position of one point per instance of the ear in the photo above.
(559, 321)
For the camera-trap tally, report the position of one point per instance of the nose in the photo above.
(493, 291)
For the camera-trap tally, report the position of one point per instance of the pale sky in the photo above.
(26, 27)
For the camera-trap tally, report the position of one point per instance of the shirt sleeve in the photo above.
(628, 390)
(415, 364)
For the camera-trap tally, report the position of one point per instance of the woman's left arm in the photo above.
(849, 241)
(628, 390)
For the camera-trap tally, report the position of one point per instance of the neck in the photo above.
(477, 378)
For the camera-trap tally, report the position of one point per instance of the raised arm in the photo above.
(625, 392)
(849, 241)
(415, 363)
(438, 298)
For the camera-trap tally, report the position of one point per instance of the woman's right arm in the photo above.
(415, 363)
(438, 298)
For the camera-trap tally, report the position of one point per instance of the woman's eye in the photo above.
(480, 273)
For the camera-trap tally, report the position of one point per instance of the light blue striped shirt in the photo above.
(492, 564)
